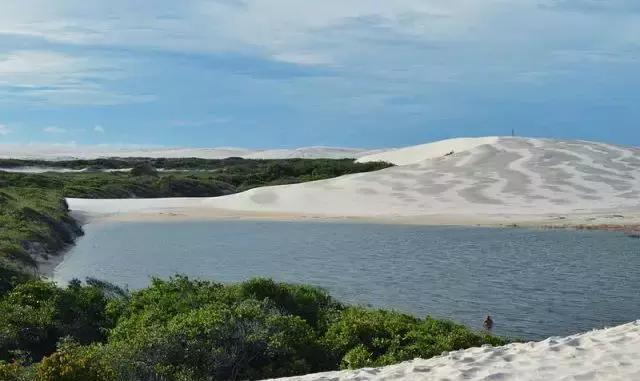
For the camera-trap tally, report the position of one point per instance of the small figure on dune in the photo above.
(449, 154)
(488, 323)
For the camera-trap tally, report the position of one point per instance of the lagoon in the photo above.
(535, 283)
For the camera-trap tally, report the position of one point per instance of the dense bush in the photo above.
(292, 167)
(35, 315)
(34, 222)
(74, 362)
(10, 276)
(143, 169)
(182, 329)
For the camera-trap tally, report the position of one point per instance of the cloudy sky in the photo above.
(283, 73)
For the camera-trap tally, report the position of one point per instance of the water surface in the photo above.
(536, 283)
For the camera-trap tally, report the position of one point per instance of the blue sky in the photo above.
(287, 73)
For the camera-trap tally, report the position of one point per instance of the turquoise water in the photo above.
(535, 283)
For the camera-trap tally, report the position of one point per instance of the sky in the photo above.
(291, 73)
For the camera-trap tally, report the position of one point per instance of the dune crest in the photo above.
(416, 154)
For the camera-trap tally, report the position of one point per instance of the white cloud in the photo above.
(4, 130)
(98, 129)
(303, 58)
(33, 68)
(54, 130)
(54, 77)
(273, 28)
(305, 33)
(383, 48)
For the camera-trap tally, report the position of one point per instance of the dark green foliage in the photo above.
(35, 315)
(74, 362)
(143, 169)
(246, 339)
(34, 223)
(363, 338)
(289, 167)
(182, 329)
(16, 371)
(11, 276)
(315, 306)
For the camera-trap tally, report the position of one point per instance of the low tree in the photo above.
(144, 169)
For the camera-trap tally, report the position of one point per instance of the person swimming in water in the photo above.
(488, 323)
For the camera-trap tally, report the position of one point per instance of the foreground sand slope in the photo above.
(604, 355)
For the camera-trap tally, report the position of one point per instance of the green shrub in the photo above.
(313, 305)
(249, 339)
(362, 337)
(15, 371)
(144, 169)
(183, 329)
(73, 362)
(11, 276)
(36, 314)
(382, 335)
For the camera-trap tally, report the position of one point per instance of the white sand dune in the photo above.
(311, 153)
(603, 355)
(493, 176)
(416, 154)
(40, 170)
(66, 152)
(485, 179)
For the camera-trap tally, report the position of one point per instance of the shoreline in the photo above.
(629, 223)
(46, 266)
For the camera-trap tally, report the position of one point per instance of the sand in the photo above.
(68, 152)
(604, 355)
(416, 154)
(486, 181)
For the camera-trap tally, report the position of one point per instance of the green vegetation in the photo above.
(181, 178)
(182, 329)
(300, 166)
(34, 223)
(34, 220)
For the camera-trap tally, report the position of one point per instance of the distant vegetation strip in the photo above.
(182, 329)
(34, 218)
(296, 164)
